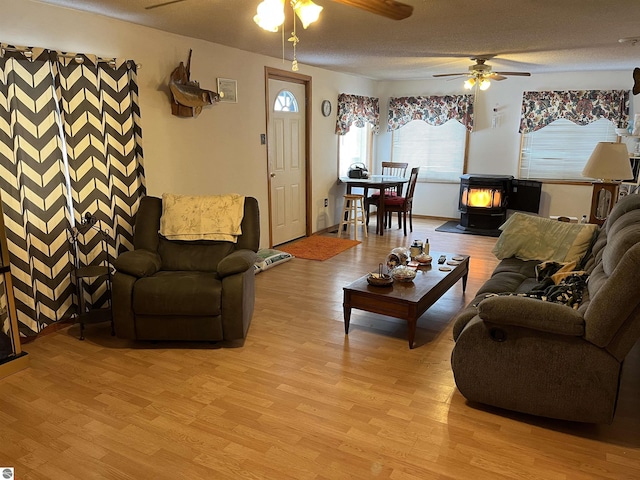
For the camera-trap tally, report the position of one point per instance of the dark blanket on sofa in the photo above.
(567, 291)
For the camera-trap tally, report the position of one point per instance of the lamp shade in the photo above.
(270, 15)
(307, 11)
(609, 161)
(484, 84)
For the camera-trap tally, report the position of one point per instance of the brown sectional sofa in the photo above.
(549, 359)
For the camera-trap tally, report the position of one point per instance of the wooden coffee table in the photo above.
(406, 300)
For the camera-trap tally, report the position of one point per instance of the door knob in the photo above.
(273, 175)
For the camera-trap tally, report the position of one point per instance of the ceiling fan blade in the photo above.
(495, 76)
(451, 74)
(163, 4)
(636, 81)
(518, 74)
(387, 8)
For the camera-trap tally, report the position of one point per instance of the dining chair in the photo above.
(403, 205)
(394, 169)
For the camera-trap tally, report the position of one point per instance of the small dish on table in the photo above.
(403, 274)
(423, 259)
(379, 280)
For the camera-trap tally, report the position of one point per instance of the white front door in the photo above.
(286, 157)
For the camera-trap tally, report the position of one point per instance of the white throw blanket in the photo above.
(202, 217)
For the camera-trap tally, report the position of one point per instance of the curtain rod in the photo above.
(28, 51)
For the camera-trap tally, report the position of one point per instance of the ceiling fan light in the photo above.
(484, 84)
(270, 15)
(469, 83)
(307, 11)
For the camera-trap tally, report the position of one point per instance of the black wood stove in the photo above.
(484, 200)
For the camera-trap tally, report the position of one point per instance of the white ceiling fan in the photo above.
(480, 74)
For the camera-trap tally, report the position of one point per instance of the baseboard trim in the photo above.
(334, 228)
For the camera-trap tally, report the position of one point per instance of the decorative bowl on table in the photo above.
(379, 279)
(423, 259)
(403, 274)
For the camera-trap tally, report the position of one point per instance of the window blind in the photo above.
(439, 151)
(560, 150)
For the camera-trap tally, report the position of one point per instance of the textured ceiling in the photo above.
(524, 35)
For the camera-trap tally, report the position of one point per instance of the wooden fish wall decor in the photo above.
(187, 98)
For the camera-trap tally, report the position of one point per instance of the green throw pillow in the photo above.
(529, 237)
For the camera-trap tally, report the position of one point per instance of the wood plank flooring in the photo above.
(300, 400)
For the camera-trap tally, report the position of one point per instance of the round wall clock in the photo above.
(326, 108)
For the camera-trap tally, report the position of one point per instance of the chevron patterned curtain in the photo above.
(100, 114)
(55, 107)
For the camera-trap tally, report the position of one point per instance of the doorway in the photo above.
(288, 154)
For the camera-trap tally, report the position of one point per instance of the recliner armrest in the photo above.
(138, 263)
(237, 262)
(532, 313)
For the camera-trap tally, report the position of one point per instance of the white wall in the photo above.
(220, 152)
(496, 150)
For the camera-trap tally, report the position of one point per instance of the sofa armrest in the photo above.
(237, 262)
(138, 263)
(532, 313)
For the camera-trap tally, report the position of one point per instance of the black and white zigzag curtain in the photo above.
(52, 107)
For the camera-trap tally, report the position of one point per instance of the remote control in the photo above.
(442, 259)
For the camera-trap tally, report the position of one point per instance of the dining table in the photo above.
(380, 182)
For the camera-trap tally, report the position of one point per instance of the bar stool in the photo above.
(353, 213)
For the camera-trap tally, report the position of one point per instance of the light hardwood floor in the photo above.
(300, 400)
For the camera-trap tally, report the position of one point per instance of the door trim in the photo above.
(271, 73)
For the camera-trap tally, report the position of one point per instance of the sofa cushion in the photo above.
(505, 282)
(631, 203)
(613, 291)
(536, 238)
(178, 293)
(512, 264)
(202, 255)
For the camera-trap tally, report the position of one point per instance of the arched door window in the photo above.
(285, 102)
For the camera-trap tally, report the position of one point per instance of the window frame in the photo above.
(287, 95)
(343, 167)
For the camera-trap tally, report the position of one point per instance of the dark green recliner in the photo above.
(185, 290)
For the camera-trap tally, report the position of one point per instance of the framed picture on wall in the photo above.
(228, 90)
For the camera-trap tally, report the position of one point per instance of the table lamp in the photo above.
(609, 163)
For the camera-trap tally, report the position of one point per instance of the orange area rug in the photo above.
(317, 247)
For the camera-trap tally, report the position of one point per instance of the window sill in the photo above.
(551, 181)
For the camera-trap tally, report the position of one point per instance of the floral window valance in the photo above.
(357, 110)
(581, 107)
(435, 110)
